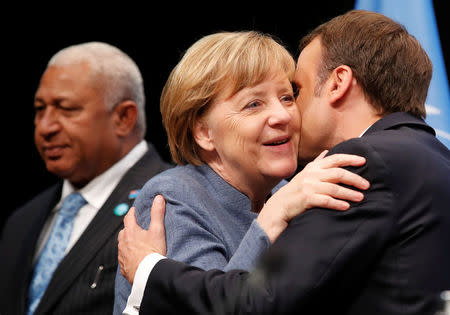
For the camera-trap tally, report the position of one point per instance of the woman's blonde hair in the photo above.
(236, 59)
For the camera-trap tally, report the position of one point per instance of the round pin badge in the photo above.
(121, 209)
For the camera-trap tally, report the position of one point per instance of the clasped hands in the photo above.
(315, 186)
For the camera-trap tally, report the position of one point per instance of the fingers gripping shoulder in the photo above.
(375, 165)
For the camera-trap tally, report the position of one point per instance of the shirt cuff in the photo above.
(140, 281)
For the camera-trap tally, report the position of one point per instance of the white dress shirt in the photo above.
(96, 192)
(140, 280)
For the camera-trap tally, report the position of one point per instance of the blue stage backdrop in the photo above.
(419, 19)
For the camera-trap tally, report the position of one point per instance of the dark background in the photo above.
(154, 37)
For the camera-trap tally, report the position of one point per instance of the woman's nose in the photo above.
(279, 115)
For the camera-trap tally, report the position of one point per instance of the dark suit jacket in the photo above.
(70, 291)
(389, 254)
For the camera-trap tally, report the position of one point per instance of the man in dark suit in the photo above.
(89, 128)
(362, 82)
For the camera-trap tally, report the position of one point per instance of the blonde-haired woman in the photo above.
(233, 128)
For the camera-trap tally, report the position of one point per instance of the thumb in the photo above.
(157, 216)
(130, 219)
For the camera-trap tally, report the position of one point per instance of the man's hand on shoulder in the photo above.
(317, 185)
(136, 243)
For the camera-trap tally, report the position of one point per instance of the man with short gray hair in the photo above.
(61, 247)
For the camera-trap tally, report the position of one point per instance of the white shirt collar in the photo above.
(98, 189)
(364, 131)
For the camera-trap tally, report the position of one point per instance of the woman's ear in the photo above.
(125, 117)
(202, 135)
(341, 80)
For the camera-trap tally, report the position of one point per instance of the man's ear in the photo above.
(125, 117)
(341, 80)
(202, 135)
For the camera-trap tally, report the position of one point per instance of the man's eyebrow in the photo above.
(39, 100)
(54, 100)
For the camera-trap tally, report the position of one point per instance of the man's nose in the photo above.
(47, 122)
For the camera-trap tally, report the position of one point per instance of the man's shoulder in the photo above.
(393, 142)
(145, 168)
(20, 220)
(153, 159)
(400, 154)
(46, 196)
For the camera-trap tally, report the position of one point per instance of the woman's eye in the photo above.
(287, 98)
(253, 104)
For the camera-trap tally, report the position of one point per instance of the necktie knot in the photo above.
(72, 203)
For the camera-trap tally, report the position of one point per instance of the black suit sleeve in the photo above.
(318, 262)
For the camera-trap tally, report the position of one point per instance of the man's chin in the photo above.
(59, 169)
